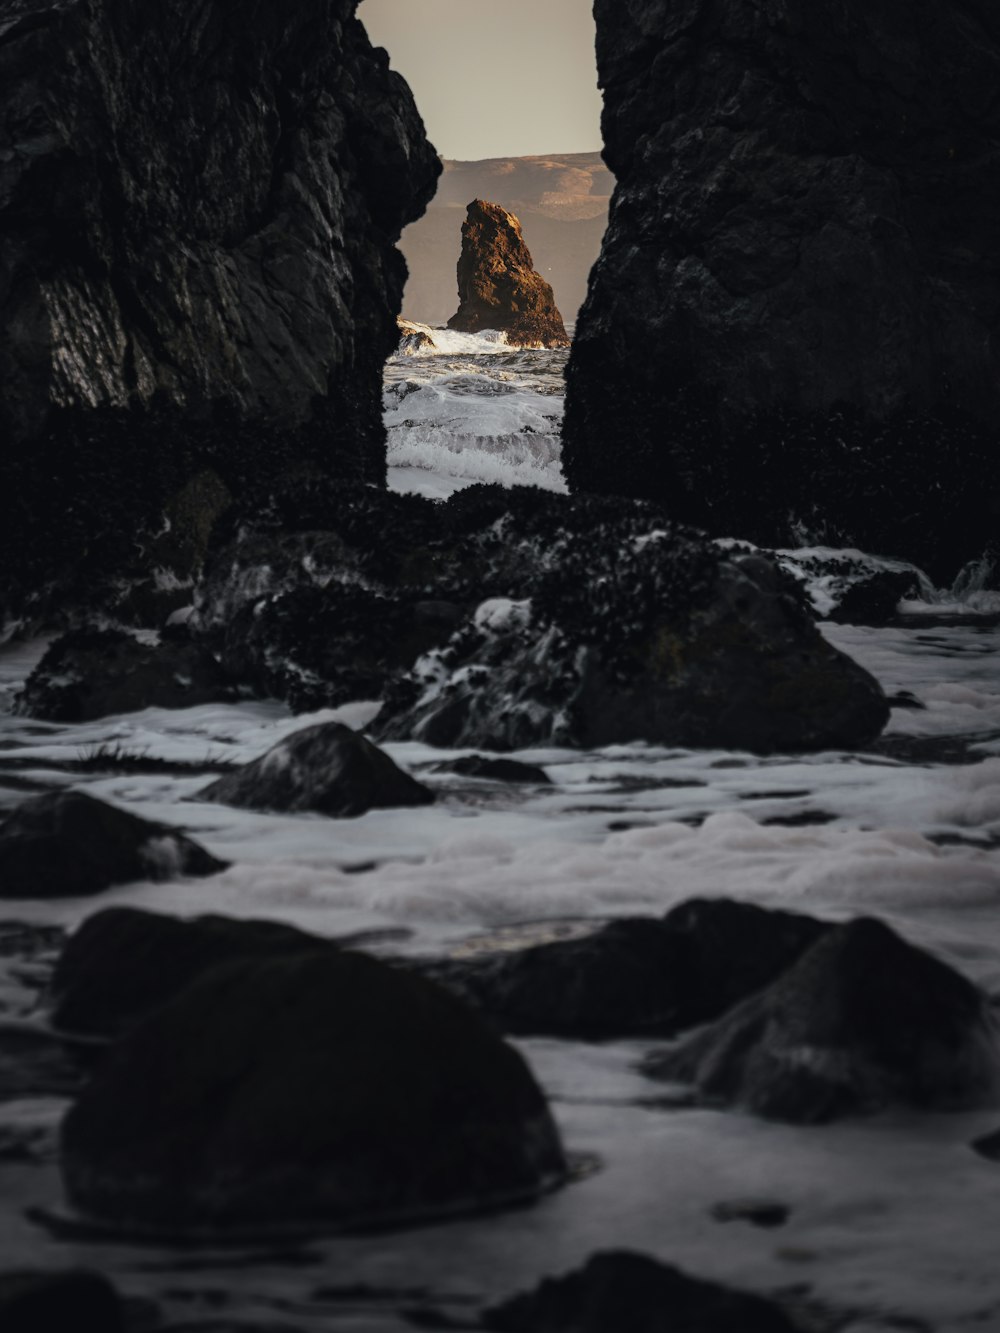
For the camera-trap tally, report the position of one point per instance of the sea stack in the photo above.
(498, 287)
(791, 332)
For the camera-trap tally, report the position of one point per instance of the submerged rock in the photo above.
(636, 976)
(90, 673)
(656, 638)
(67, 844)
(44, 1302)
(792, 324)
(492, 769)
(498, 287)
(315, 1090)
(168, 311)
(327, 768)
(862, 1021)
(617, 1290)
(123, 962)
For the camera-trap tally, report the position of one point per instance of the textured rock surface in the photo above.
(862, 1021)
(198, 210)
(322, 1088)
(90, 673)
(794, 317)
(618, 1290)
(66, 844)
(327, 768)
(123, 962)
(498, 287)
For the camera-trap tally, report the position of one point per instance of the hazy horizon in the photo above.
(513, 81)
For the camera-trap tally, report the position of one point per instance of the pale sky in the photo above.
(495, 78)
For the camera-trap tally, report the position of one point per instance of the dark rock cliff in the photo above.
(498, 287)
(199, 202)
(792, 326)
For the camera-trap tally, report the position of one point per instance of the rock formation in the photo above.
(198, 210)
(793, 323)
(498, 287)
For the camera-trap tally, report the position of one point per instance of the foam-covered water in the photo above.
(471, 409)
(893, 1216)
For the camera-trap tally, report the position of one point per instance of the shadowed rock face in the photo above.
(793, 317)
(198, 210)
(498, 287)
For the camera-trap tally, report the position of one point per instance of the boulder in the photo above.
(637, 976)
(40, 1302)
(875, 599)
(211, 289)
(651, 637)
(67, 845)
(862, 1021)
(414, 338)
(90, 673)
(498, 287)
(122, 963)
(617, 1290)
(328, 768)
(791, 329)
(317, 1090)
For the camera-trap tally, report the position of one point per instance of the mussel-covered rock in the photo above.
(68, 844)
(327, 768)
(326, 1089)
(862, 1021)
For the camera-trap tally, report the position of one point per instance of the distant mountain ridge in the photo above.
(562, 203)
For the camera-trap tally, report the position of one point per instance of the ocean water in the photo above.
(893, 1217)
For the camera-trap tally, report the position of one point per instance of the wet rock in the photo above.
(636, 976)
(68, 844)
(656, 638)
(788, 331)
(315, 1090)
(414, 338)
(498, 287)
(123, 962)
(327, 768)
(90, 673)
(617, 1290)
(169, 312)
(862, 1021)
(874, 600)
(36, 1302)
(493, 769)
(758, 1212)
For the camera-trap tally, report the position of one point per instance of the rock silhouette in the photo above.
(214, 285)
(793, 322)
(498, 287)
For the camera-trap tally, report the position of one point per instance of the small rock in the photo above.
(123, 962)
(327, 768)
(758, 1212)
(53, 1302)
(90, 673)
(322, 1090)
(620, 1292)
(874, 600)
(495, 770)
(414, 338)
(862, 1021)
(68, 844)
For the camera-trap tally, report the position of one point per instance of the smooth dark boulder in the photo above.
(657, 639)
(864, 1020)
(318, 1090)
(213, 289)
(122, 963)
(792, 327)
(67, 845)
(329, 769)
(90, 673)
(637, 976)
(50, 1302)
(498, 287)
(617, 1290)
